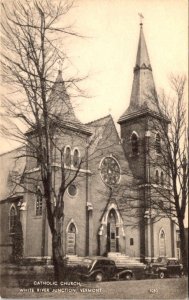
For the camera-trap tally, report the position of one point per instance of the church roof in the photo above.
(143, 94)
(59, 103)
(97, 128)
(60, 107)
(100, 121)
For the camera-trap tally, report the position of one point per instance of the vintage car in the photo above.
(102, 268)
(164, 267)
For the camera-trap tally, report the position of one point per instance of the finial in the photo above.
(141, 17)
(60, 66)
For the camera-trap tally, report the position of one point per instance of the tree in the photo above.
(162, 154)
(168, 156)
(37, 108)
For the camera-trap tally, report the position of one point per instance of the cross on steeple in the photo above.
(141, 17)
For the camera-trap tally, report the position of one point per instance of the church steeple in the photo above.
(143, 88)
(60, 107)
(59, 102)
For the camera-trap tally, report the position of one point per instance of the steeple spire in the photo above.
(142, 59)
(60, 107)
(143, 88)
(59, 102)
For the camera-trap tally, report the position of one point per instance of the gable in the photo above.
(106, 142)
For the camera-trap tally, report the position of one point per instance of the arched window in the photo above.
(162, 245)
(68, 156)
(71, 239)
(12, 218)
(162, 178)
(158, 143)
(76, 158)
(157, 176)
(134, 143)
(39, 203)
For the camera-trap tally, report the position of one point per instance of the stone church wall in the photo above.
(5, 237)
(164, 224)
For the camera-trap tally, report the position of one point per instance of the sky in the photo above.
(107, 54)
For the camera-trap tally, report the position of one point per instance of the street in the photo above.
(170, 288)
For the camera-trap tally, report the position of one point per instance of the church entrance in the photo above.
(71, 240)
(112, 233)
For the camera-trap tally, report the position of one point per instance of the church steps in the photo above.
(121, 260)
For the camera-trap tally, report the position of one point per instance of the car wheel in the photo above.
(161, 275)
(98, 277)
(128, 276)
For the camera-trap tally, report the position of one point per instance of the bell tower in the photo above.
(138, 136)
(134, 122)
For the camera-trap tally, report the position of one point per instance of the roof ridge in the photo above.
(17, 148)
(88, 123)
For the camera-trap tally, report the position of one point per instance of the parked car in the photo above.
(101, 268)
(164, 267)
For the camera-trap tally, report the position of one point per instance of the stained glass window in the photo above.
(72, 190)
(68, 156)
(110, 171)
(76, 158)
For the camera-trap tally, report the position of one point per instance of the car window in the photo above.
(101, 263)
(105, 262)
(162, 260)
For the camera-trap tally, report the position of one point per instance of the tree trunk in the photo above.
(58, 261)
(183, 245)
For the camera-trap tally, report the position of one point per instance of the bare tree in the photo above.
(168, 156)
(37, 109)
(163, 159)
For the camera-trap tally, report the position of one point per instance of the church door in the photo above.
(71, 240)
(112, 244)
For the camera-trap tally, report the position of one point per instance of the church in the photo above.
(107, 208)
